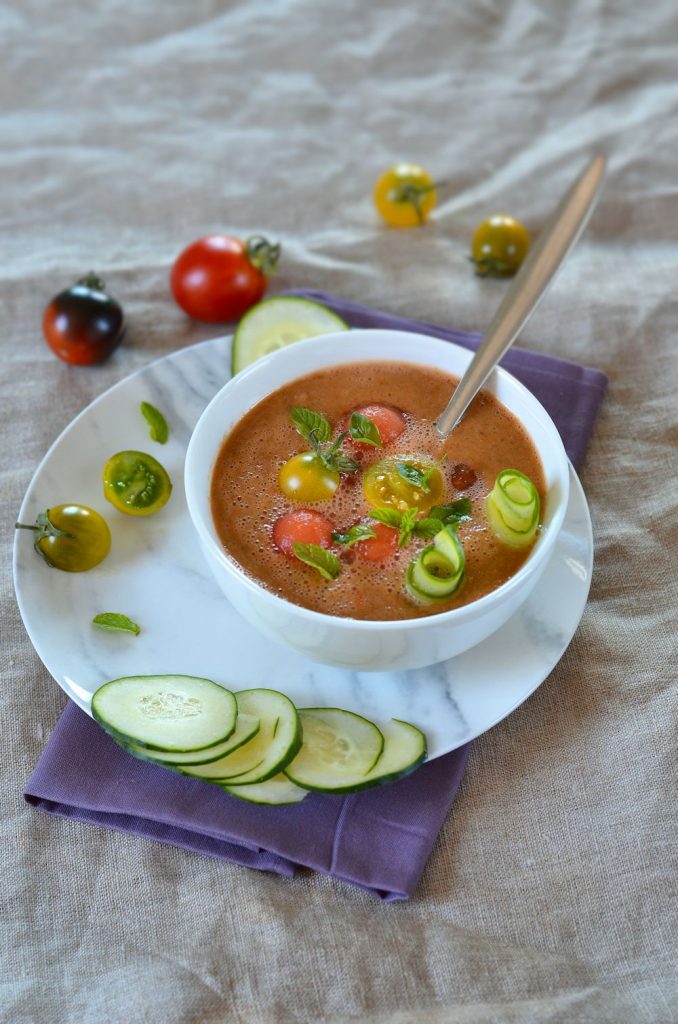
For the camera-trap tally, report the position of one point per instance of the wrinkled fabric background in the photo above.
(128, 130)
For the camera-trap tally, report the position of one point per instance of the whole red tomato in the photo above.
(218, 278)
(84, 324)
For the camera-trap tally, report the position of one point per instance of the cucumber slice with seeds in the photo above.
(166, 713)
(404, 750)
(274, 746)
(278, 322)
(246, 727)
(338, 745)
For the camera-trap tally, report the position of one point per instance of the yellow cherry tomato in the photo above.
(305, 478)
(402, 483)
(404, 195)
(499, 246)
(135, 483)
(73, 538)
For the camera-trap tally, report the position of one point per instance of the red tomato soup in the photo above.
(265, 502)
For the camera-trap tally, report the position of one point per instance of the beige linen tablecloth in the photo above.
(130, 129)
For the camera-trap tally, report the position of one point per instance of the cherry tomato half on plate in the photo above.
(302, 526)
(73, 538)
(404, 195)
(499, 246)
(83, 325)
(218, 278)
(135, 483)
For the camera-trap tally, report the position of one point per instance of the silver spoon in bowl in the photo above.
(536, 273)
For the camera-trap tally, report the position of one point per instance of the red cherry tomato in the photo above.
(381, 547)
(304, 526)
(218, 278)
(389, 421)
(83, 324)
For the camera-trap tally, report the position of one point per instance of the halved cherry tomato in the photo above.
(385, 484)
(389, 421)
(305, 478)
(380, 547)
(404, 195)
(73, 538)
(304, 526)
(499, 246)
(218, 278)
(135, 483)
(83, 325)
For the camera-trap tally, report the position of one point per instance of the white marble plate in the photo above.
(155, 573)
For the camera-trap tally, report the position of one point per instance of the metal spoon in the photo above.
(540, 266)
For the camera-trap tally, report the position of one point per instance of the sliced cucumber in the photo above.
(275, 791)
(513, 508)
(246, 727)
(438, 570)
(278, 322)
(404, 750)
(267, 753)
(338, 745)
(166, 713)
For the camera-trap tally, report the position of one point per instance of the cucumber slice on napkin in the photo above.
(274, 792)
(404, 750)
(166, 713)
(339, 747)
(245, 728)
(277, 322)
(274, 746)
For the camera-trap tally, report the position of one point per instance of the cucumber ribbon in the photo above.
(513, 508)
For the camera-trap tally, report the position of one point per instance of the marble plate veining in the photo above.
(155, 573)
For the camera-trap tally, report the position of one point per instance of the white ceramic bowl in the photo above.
(352, 643)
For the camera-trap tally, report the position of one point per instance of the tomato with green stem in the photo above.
(218, 278)
(83, 325)
(73, 538)
(499, 246)
(404, 195)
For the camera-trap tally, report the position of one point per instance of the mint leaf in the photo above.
(363, 429)
(428, 527)
(309, 422)
(156, 421)
(361, 531)
(326, 562)
(407, 524)
(453, 513)
(414, 475)
(115, 622)
(389, 516)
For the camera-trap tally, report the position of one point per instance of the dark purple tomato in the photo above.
(84, 324)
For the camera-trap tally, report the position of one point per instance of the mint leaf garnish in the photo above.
(309, 422)
(156, 421)
(453, 513)
(428, 527)
(326, 562)
(363, 429)
(405, 522)
(361, 531)
(389, 516)
(415, 475)
(115, 622)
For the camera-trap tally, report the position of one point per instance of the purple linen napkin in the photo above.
(380, 839)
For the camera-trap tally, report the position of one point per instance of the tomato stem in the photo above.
(262, 254)
(93, 282)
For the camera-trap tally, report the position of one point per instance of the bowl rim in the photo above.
(290, 355)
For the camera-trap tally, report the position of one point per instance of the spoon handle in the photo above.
(543, 260)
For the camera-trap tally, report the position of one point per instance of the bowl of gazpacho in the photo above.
(338, 521)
